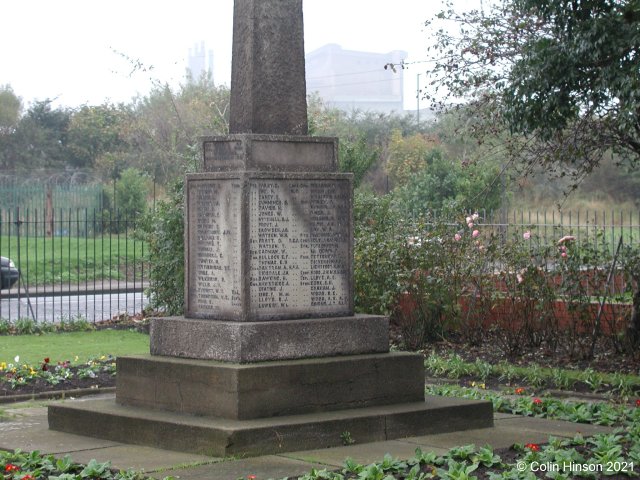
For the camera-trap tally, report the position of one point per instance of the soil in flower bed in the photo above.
(125, 322)
(487, 349)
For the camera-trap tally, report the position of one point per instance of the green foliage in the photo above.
(95, 131)
(165, 124)
(39, 140)
(5, 326)
(19, 465)
(377, 246)
(130, 201)
(620, 386)
(78, 324)
(443, 183)
(346, 438)
(585, 66)
(417, 269)
(561, 78)
(599, 413)
(357, 157)
(26, 326)
(436, 274)
(410, 155)
(163, 228)
(18, 374)
(364, 138)
(10, 108)
(153, 134)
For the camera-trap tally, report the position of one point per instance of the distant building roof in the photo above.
(353, 80)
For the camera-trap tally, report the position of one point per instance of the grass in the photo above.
(74, 259)
(60, 347)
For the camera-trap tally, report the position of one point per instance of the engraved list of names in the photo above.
(214, 248)
(299, 247)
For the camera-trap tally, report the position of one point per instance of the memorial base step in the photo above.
(224, 437)
(269, 389)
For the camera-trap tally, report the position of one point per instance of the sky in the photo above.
(84, 51)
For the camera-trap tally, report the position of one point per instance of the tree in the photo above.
(410, 155)
(560, 76)
(165, 125)
(126, 201)
(445, 183)
(357, 157)
(94, 131)
(10, 110)
(40, 138)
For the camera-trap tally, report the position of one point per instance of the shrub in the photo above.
(163, 229)
(418, 269)
(131, 190)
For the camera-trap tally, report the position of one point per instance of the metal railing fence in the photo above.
(74, 263)
(42, 197)
(86, 262)
(600, 229)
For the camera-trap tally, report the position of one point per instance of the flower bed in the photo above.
(20, 378)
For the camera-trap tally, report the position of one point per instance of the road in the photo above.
(91, 306)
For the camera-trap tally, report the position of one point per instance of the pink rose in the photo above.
(457, 237)
(526, 235)
(475, 233)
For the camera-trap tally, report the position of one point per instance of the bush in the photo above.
(448, 274)
(131, 190)
(417, 269)
(163, 230)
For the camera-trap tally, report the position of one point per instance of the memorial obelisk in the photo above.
(269, 356)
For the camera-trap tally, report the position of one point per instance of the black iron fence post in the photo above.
(18, 224)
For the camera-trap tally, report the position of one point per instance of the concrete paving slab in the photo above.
(558, 428)
(365, 453)
(30, 431)
(270, 466)
(125, 457)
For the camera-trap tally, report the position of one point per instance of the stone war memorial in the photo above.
(269, 356)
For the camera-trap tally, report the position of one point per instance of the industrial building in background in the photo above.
(353, 80)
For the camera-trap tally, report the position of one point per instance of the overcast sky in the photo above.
(72, 50)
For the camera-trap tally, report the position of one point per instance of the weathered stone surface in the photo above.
(268, 246)
(268, 87)
(269, 389)
(223, 437)
(285, 153)
(247, 342)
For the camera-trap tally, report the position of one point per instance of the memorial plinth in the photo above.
(269, 356)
